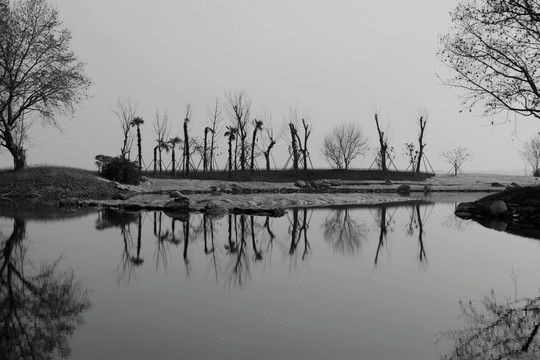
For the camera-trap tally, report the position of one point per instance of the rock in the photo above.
(403, 189)
(300, 183)
(336, 182)
(175, 194)
(498, 208)
(515, 185)
(388, 182)
(120, 196)
(496, 184)
(178, 204)
(143, 179)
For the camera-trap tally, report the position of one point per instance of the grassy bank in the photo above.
(50, 184)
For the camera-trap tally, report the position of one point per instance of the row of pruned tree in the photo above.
(247, 137)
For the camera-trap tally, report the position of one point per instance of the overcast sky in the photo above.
(333, 61)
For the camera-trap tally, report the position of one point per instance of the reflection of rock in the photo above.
(214, 208)
(181, 203)
(404, 189)
(259, 212)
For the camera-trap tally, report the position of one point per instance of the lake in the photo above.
(379, 282)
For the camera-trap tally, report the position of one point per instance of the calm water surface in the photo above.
(350, 283)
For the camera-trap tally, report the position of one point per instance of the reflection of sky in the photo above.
(328, 305)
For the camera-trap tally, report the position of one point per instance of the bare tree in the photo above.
(187, 117)
(531, 154)
(299, 150)
(493, 51)
(343, 144)
(125, 111)
(162, 129)
(456, 157)
(422, 122)
(39, 73)
(239, 112)
(215, 115)
(383, 144)
(269, 140)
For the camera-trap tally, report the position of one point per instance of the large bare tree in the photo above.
(383, 144)
(492, 50)
(343, 144)
(39, 73)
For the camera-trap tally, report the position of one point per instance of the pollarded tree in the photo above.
(531, 154)
(239, 106)
(344, 144)
(215, 115)
(39, 73)
(383, 142)
(187, 153)
(456, 157)
(493, 49)
(422, 122)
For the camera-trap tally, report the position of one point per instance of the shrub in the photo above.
(121, 170)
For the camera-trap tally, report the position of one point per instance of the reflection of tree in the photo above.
(38, 313)
(343, 233)
(384, 224)
(298, 230)
(496, 330)
(416, 223)
(110, 218)
(239, 271)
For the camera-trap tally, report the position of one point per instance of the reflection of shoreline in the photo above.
(38, 312)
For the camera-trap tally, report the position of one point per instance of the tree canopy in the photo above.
(493, 49)
(39, 73)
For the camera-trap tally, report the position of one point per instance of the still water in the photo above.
(379, 282)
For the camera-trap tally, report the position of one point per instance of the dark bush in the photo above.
(536, 173)
(122, 171)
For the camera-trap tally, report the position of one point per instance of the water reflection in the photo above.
(496, 329)
(234, 242)
(40, 309)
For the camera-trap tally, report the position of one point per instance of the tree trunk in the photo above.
(186, 151)
(252, 164)
(173, 160)
(18, 153)
(204, 154)
(139, 145)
